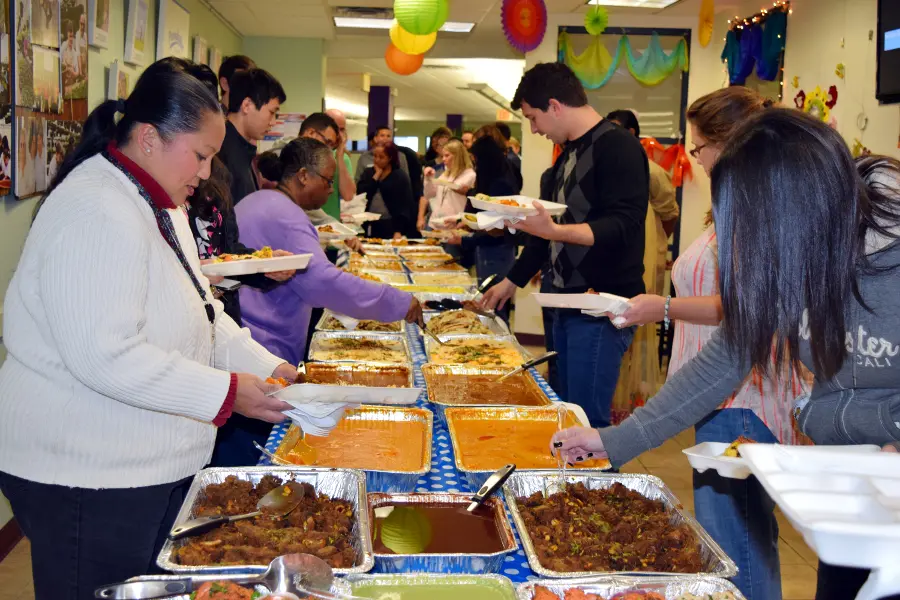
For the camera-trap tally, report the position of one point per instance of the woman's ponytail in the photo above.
(270, 166)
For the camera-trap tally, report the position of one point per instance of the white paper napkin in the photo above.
(617, 309)
(318, 418)
(355, 205)
(349, 323)
(493, 220)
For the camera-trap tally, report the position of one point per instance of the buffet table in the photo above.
(443, 477)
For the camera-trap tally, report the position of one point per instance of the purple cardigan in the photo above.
(279, 318)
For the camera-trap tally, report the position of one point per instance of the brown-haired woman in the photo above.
(737, 513)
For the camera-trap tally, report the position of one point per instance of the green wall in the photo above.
(203, 22)
(298, 63)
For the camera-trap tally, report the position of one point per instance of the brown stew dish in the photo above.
(613, 529)
(320, 526)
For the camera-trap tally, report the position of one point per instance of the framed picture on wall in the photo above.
(74, 48)
(173, 32)
(201, 51)
(136, 25)
(26, 149)
(6, 161)
(215, 59)
(118, 83)
(47, 91)
(45, 23)
(24, 55)
(98, 23)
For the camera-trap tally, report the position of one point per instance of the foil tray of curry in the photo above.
(434, 533)
(391, 444)
(452, 385)
(357, 373)
(246, 546)
(359, 346)
(630, 524)
(669, 587)
(486, 438)
(329, 323)
(426, 586)
(483, 351)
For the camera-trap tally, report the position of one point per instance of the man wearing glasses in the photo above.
(321, 127)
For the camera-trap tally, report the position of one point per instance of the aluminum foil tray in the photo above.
(424, 297)
(443, 563)
(382, 480)
(430, 265)
(430, 343)
(501, 584)
(345, 484)
(323, 321)
(395, 341)
(521, 484)
(476, 478)
(496, 325)
(387, 276)
(440, 403)
(670, 587)
(359, 373)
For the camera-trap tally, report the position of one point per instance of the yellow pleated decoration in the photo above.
(707, 19)
(411, 43)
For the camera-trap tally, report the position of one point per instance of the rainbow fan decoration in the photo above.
(524, 23)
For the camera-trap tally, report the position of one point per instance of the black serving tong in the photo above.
(490, 486)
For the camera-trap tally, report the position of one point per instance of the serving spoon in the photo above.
(295, 574)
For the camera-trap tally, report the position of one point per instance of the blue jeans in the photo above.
(547, 317)
(590, 354)
(738, 513)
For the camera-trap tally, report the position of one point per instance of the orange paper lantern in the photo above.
(402, 63)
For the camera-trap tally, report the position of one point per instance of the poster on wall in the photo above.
(98, 23)
(24, 55)
(26, 138)
(6, 161)
(201, 51)
(40, 155)
(5, 85)
(45, 23)
(62, 136)
(215, 59)
(173, 30)
(47, 91)
(117, 85)
(136, 31)
(74, 49)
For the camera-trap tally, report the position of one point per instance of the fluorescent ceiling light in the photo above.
(364, 23)
(635, 3)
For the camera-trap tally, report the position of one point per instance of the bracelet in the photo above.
(666, 320)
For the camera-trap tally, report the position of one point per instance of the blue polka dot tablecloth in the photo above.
(443, 477)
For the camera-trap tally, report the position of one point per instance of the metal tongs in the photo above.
(362, 253)
(527, 365)
(490, 486)
(431, 334)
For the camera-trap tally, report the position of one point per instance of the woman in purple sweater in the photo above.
(279, 318)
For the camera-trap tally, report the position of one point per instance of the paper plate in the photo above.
(297, 262)
(526, 209)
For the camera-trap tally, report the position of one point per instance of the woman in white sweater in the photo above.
(446, 194)
(121, 365)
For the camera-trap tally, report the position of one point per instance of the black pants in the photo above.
(841, 583)
(82, 538)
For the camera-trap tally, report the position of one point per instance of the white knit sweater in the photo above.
(107, 383)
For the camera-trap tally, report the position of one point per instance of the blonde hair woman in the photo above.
(446, 195)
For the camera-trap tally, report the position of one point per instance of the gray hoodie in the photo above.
(860, 405)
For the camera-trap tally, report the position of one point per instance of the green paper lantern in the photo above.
(596, 20)
(421, 17)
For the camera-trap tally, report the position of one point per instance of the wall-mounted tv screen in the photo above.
(887, 88)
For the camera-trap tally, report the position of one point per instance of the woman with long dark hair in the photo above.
(389, 194)
(808, 250)
(118, 372)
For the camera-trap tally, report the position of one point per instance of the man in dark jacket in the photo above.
(253, 102)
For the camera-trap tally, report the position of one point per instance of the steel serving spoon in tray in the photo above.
(279, 502)
(292, 573)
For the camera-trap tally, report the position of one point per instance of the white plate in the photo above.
(363, 217)
(301, 393)
(709, 455)
(593, 302)
(296, 262)
(555, 209)
(441, 234)
(342, 232)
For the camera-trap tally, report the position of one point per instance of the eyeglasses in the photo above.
(697, 149)
(328, 180)
(321, 137)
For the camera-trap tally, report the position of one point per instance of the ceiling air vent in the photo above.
(362, 12)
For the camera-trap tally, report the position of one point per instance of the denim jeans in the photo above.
(590, 354)
(547, 317)
(84, 538)
(491, 259)
(738, 513)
